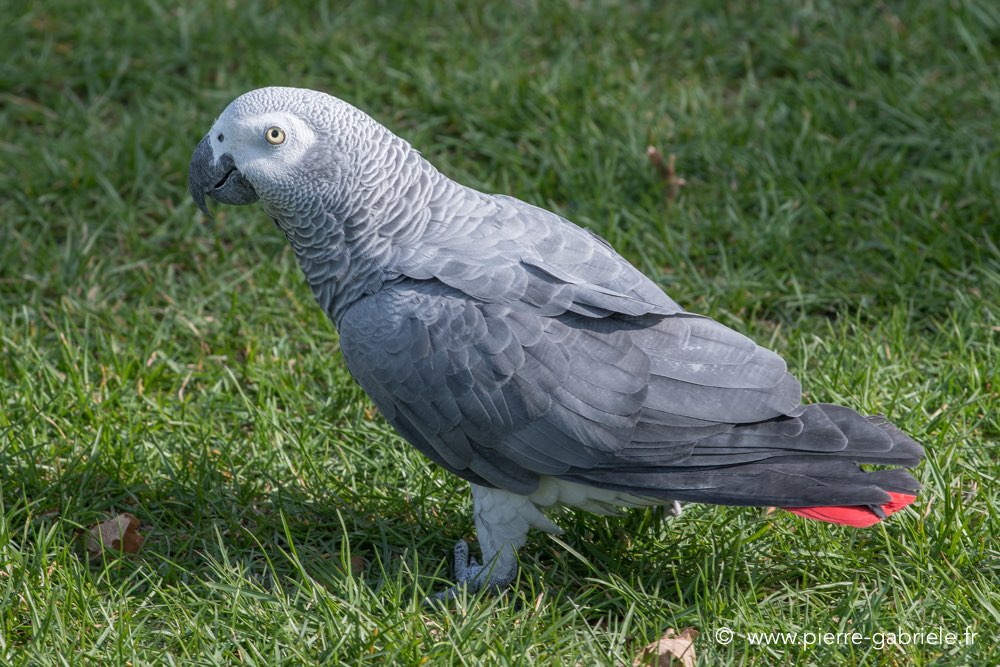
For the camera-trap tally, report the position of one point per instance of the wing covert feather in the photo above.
(484, 383)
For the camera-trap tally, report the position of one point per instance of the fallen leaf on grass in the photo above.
(667, 169)
(119, 533)
(670, 650)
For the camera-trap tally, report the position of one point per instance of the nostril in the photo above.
(221, 137)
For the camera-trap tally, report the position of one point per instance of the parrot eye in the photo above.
(274, 135)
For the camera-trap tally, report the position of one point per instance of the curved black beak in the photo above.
(219, 179)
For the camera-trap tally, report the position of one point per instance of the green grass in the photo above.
(841, 206)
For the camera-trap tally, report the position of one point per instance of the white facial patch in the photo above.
(258, 160)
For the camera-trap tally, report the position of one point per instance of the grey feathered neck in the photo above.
(371, 194)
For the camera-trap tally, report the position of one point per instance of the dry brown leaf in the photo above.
(119, 533)
(671, 650)
(667, 169)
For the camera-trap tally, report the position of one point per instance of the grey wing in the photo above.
(453, 375)
(515, 344)
(501, 395)
(503, 250)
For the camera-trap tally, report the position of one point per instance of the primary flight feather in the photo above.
(522, 353)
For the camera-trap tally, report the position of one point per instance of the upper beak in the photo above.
(219, 179)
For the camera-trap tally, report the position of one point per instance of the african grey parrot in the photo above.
(522, 353)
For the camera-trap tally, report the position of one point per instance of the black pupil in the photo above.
(274, 134)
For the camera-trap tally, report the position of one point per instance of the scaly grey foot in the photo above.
(473, 577)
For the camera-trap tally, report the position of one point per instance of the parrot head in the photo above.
(260, 147)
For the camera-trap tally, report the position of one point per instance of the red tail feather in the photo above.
(856, 515)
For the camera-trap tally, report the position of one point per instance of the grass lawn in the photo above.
(840, 204)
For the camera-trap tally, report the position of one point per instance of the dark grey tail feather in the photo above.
(902, 443)
(750, 468)
(821, 431)
(759, 485)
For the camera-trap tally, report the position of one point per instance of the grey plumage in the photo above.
(520, 351)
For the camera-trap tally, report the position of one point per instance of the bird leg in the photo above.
(503, 520)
